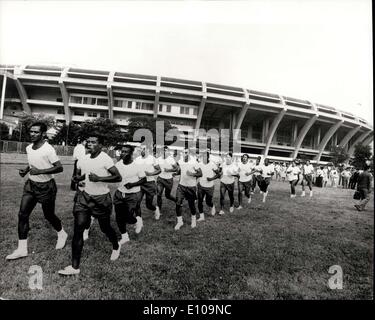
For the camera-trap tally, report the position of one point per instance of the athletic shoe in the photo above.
(193, 221)
(61, 239)
(116, 253)
(86, 234)
(138, 225)
(221, 212)
(16, 254)
(178, 225)
(157, 213)
(68, 271)
(201, 217)
(239, 207)
(231, 209)
(213, 211)
(292, 195)
(303, 194)
(249, 201)
(124, 238)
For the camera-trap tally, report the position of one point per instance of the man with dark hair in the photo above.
(267, 173)
(257, 174)
(127, 196)
(307, 172)
(96, 169)
(151, 169)
(189, 171)
(206, 186)
(39, 187)
(167, 166)
(364, 188)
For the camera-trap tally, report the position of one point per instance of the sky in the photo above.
(314, 50)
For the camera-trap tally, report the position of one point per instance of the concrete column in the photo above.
(111, 101)
(294, 132)
(344, 142)
(305, 129)
(317, 138)
(3, 96)
(327, 137)
(157, 96)
(360, 139)
(275, 123)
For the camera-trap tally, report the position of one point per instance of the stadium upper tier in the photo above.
(271, 124)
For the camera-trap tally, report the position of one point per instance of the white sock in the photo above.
(61, 232)
(179, 219)
(22, 245)
(201, 215)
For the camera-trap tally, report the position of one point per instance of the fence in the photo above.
(20, 147)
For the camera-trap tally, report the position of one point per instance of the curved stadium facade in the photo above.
(276, 126)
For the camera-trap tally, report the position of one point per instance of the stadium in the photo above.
(272, 125)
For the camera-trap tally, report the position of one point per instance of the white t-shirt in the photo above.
(132, 172)
(228, 172)
(42, 158)
(293, 173)
(267, 171)
(334, 173)
(243, 169)
(185, 180)
(165, 164)
(79, 151)
(99, 166)
(148, 165)
(308, 169)
(258, 168)
(207, 172)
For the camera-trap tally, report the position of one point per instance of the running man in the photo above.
(128, 195)
(267, 173)
(307, 172)
(293, 172)
(96, 169)
(257, 175)
(40, 187)
(151, 169)
(228, 172)
(206, 186)
(244, 179)
(189, 171)
(167, 166)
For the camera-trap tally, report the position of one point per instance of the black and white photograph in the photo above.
(203, 151)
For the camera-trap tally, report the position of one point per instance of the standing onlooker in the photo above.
(364, 188)
(345, 176)
(319, 177)
(325, 176)
(79, 151)
(334, 176)
(354, 178)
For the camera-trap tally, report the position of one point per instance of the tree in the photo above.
(26, 120)
(67, 133)
(4, 131)
(149, 123)
(108, 129)
(361, 155)
(339, 155)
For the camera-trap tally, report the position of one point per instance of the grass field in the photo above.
(278, 250)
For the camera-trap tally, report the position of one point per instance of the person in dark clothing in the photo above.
(353, 179)
(364, 188)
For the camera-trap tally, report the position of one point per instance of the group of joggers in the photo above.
(138, 177)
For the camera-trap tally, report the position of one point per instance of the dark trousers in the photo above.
(223, 189)
(205, 193)
(293, 184)
(146, 190)
(28, 203)
(244, 187)
(81, 222)
(164, 184)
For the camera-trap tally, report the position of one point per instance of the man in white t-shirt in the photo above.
(244, 179)
(293, 172)
(128, 194)
(189, 171)
(164, 183)
(228, 173)
(96, 169)
(307, 172)
(257, 174)
(206, 186)
(79, 151)
(40, 187)
(148, 162)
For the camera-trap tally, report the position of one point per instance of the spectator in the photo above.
(345, 176)
(319, 177)
(364, 188)
(78, 152)
(334, 176)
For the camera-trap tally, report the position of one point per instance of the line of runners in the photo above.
(137, 177)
